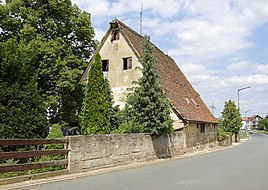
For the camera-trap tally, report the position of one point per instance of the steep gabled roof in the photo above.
(184, 99)
(253, 117)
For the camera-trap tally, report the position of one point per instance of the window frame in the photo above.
(115, 35)
(202, 127)
(105, 65)
(127, 63)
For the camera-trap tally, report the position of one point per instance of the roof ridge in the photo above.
(122, 24)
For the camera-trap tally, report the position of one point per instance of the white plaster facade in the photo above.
(122, 80)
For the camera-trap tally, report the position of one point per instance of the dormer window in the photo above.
(127, 63)
(105, 65)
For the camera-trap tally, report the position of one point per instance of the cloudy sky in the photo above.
(221, 46)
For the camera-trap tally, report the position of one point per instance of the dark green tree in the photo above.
(222, 134)
(263, 124)
(147, 107)
(232, 121)
(113, 110)
(62, 37)
(95, 116)
(22, 110)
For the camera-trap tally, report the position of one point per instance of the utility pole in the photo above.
(141, 18)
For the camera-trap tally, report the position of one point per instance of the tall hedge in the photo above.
(22, 109)
(95, 117)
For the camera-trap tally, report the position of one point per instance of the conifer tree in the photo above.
(147, 106)
(232, 120)
(95, 117)
(22, 109)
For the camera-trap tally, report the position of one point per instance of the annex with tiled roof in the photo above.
(185, 101)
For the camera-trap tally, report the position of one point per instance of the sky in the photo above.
(221, 46)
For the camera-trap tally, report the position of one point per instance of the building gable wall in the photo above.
(120, 80)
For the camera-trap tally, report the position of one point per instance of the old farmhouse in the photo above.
(121, 50)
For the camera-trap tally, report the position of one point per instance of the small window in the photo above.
(202, 127)
(115, 35)
(105, 65)
(127, 63)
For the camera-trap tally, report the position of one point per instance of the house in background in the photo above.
(121, 51)
(250, 123)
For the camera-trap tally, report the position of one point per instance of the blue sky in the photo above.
(220, 46)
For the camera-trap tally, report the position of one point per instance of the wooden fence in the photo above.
(32, 154)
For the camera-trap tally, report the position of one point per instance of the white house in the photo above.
(250, 123)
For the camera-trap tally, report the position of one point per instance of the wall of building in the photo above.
(98, 151)
(197, 140)
(120, 80)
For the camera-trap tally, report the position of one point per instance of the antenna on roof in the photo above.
(141, 18)
(212, 107)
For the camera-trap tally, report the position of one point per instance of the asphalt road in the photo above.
(241, 167)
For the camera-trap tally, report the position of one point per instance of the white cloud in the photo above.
(262, 68)
(99, 33)
(239, 66)
(257, 79)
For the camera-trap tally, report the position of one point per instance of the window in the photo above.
(127, 63)
(105, 65)
(202, 127)
(115, 35)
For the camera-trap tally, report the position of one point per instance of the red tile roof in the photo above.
(252, 117)
(184, 99)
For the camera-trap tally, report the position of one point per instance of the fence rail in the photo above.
(30, 166)
(17, 142)
(32, 154)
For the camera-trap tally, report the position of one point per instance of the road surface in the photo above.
(241, 167)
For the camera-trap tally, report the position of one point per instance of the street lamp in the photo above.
(238, 94)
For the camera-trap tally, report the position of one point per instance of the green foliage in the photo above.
(95, 117)
(232, 121)
(131, 126)
(113, 111)
(221, 135)
(60, 37)
(147, 105)
(22, 110)
(55, 133)
(263, 124)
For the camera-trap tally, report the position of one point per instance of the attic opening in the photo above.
(105, 65)
(127, 63)
(115, 35)
(115, 31)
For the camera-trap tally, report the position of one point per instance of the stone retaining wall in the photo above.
(98, 151)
